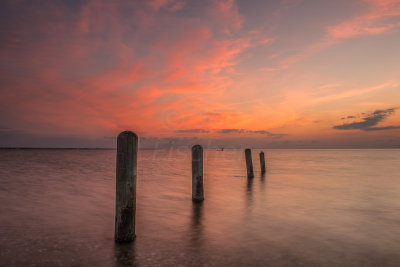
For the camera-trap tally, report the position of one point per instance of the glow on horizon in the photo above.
(265, 73)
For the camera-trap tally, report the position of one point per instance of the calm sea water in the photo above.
(311, 208)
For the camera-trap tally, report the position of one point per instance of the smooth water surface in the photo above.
(311, 208)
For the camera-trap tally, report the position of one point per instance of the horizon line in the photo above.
(188, 147)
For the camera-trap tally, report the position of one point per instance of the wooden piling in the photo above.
(262, 162)
(125, 203)
(197, 173)
(249, 163)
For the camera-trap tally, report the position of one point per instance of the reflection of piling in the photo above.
(249, 163)
(196, 230)
(197, 173)
(262, 162)
(124, 254)
(125, 204)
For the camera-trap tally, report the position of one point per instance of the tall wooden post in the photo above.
(197, 173)
(262, 162)
(125, 203)
(249, 163)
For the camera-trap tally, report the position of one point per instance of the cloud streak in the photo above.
(382, 128)
(383, 16)
(243, 131)
(369, 121)
(379, 17)
(193, 131)
(230, 131)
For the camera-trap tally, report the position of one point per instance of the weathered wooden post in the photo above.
(262, 162)
(249, 163)
(197, 173)
(125, 202)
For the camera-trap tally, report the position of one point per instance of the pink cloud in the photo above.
(98, 72)
(379, 17)
(377, 20)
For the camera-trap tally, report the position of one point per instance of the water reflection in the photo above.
(311, 208)
(262, 181)
(197, 224)
(249, 188)
(124, 254)
(249, 195)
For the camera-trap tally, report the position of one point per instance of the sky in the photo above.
(244, 73)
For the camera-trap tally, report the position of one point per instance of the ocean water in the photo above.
(311, 208)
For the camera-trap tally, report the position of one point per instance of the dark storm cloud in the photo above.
(368, 121)
(192, 131)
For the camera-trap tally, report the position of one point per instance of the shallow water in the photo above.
(311, 208)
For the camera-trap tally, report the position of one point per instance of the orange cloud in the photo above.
(94, 68)
(108, 77)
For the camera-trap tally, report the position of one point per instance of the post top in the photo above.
(197, 147)
(127, 133)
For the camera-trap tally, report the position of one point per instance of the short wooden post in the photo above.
(249, 163)
(197, 173)
(262, 162)
(125, 203)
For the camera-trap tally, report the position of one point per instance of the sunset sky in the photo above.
(270, 74)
